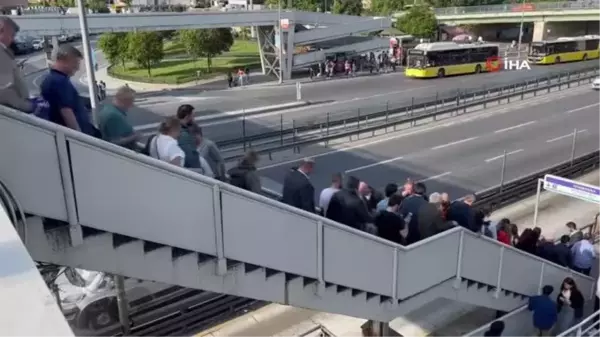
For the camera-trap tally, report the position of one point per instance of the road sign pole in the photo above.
(87, 53)
(503, 171)
(280, 54)
(537, 202)
(573, 146)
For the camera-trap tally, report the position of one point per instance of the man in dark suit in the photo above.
(298, 191)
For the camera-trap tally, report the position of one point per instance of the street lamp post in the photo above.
(87, 54)
(280, 43)
(521, 29)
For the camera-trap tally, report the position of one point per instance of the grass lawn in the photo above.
(242, 54)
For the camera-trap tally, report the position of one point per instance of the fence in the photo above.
(357, 124)
(520, 7)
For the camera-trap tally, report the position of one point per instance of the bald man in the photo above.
(113, 121)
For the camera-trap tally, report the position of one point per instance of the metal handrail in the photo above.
(579, 327)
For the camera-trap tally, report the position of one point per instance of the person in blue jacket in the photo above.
(544, 311)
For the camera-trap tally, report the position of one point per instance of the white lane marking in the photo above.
(373, 165)
(453, 143)
(515, 126)
(583, 108)
(564, 136)
(502, 155)
(436, 176)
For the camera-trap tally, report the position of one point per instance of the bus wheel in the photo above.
(557, 59)
(477, 69)
(584, 57)
(441, 73)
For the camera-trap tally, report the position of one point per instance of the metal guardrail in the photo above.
(323, 132)
(520, 7)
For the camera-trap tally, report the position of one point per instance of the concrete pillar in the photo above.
(376, 329)
(289, 52)
(260, 39)
(539, 31)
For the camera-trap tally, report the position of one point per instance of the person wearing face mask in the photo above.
(13, 88)
(569, 305)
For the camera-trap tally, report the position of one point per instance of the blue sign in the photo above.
(572, 188)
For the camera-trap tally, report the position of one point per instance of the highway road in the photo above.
(362, 95)
(367, 93)
(464, 155)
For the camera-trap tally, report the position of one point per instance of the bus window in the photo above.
(538, 49)
(591, 44)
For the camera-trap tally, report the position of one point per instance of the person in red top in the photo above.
(504, 234)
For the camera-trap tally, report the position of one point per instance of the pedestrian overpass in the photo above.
(267, 23)
(556, 18)
(114, 210)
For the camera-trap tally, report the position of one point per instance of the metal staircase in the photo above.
(124, 213)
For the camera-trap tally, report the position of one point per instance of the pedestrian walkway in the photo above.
(441, 317)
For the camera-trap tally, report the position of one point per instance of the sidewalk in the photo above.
(257, 80)
(439, 318)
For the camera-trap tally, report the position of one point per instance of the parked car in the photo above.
(596, 84)
(38, 44)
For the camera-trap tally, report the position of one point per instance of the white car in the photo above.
(38, 44)
(596, 84)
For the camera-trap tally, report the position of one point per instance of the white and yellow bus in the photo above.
(439, 59)
(564, 49)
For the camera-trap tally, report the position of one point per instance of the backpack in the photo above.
(146, 149)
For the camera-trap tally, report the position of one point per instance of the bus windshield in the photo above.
(537, 49)
(416, 58)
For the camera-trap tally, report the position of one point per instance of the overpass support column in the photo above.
(539, 31)
(376, 329)
(289, 53)
(269, 58)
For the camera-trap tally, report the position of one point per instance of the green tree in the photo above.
(419, 21)
(65, 3)
(98, 6)
(348, 7)
(206, 43)
(145, 49)
(114, 46)
(386, 7)
(303, 5)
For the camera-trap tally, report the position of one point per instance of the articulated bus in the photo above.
(439, 59)
(564, 49)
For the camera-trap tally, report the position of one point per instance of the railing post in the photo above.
(281, 129)
(437, 98)
(458, 278)
(327, 141)
(498, 289)
(503, 172)
(358, 119)
(573, 146)
(217, 212)
(320, 259)
(395, 278)
(75, 232)
(244, 129)
(122, 304)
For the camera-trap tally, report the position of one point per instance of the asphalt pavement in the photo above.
(465, 156)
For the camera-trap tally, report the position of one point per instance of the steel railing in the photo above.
(324, 130)
(584, 327)
(519, 7)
